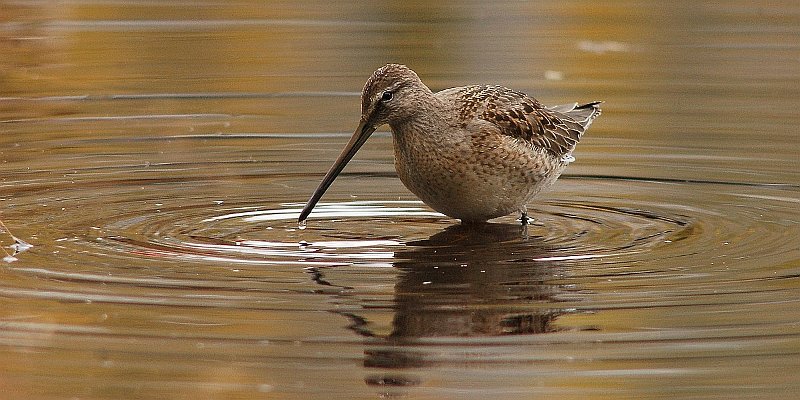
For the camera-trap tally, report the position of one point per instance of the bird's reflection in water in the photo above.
(466, 281)
(473, 281)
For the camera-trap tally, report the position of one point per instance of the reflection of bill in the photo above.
(466, 281)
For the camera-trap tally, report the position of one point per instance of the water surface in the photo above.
(157, 155)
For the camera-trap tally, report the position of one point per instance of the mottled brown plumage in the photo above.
(473, 152)
(523, 117)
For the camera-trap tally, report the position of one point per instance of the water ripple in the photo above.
(654, 239)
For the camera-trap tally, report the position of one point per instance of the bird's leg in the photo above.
(524, 219)
(523, 216)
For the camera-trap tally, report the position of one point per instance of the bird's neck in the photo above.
(427, 128)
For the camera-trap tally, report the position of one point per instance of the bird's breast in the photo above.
(471, 175)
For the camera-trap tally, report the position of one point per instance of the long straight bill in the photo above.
(360, 136)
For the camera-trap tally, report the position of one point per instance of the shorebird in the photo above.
(473, 152)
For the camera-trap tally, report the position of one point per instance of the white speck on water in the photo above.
(551, 75)
(603, 47)
(20, 245)
(265, 388)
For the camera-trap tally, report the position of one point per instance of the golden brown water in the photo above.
(157, 154)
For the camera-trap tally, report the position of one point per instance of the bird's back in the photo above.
(555, 129)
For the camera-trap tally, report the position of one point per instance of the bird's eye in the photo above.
(387, 95)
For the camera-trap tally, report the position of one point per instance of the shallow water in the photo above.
(157, 155)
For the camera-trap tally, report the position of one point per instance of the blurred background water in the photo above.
(156, 155)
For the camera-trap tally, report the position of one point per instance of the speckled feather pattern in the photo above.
(473, 173)
(519, 116)
(473, 152)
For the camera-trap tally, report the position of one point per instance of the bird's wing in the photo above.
(555, 129)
